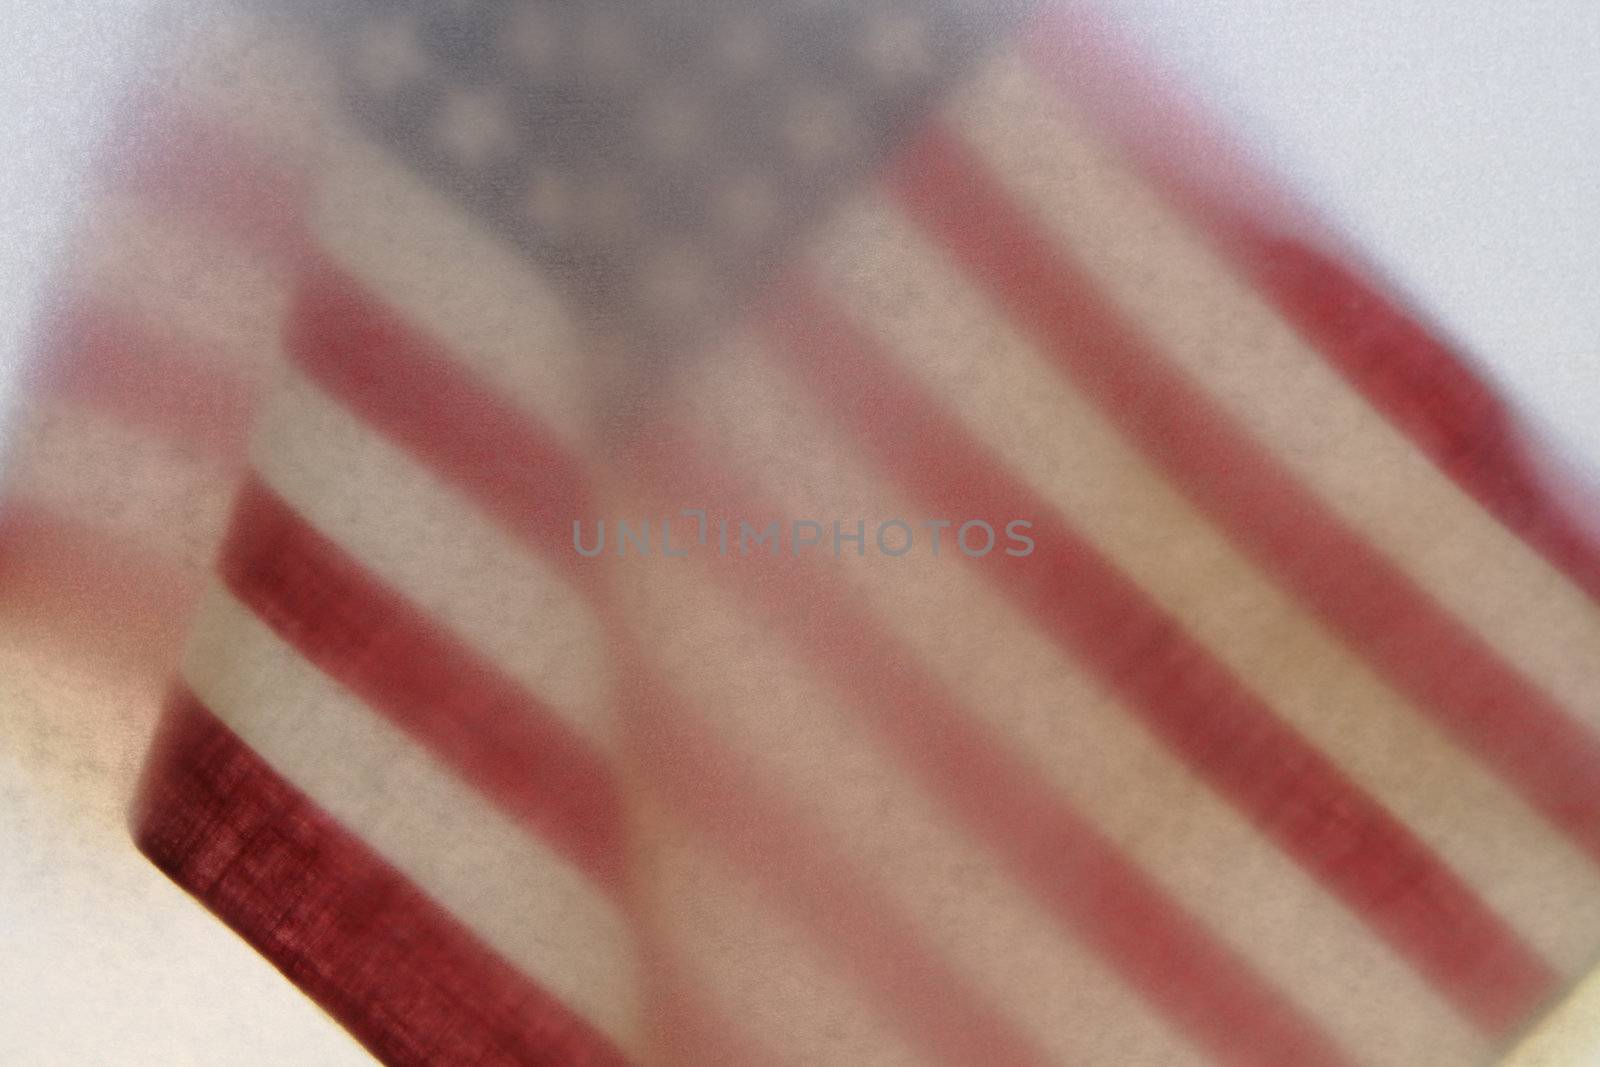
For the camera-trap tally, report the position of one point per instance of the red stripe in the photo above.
(1198, 983)
(936, 1011)
(1211, 720)
(393, 656)
(1447, 670)
(407, 386)
(687, 1029)
(407, 980)
(94, 593)
(164, 152)
(1443, 408)
(1426, 390)
(108, 359)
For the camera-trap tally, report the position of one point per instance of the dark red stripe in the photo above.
(1198, 983)
(1208, 717)
(1402, 368)
(103, 598)
(1446, 411)
(167, 154)
(407, 980)
(407, 386)
(691, 1033)
(687, 1027)
(396, 658)
(103, 357)
(1533, 743)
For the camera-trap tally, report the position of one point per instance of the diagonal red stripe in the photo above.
(168, 154)
(1406, 372)
(389, 964)
(392, 655)
(687, 1026)
(408, 387)
(104, 357)
(1444, 409)
(98, 596)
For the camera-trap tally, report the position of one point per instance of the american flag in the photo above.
(1279, 747)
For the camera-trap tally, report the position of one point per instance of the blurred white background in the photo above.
(1456, 141)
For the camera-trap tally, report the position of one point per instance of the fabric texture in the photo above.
(804, 533)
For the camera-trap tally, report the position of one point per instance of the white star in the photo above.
(746, 206)
(608, 46)
(675, 282)
(609, 207)
(895, 47)
(389, 55)
(548, 203)
(533, 37)
(674, 125)
(472, 126)
(817, 128)
(742, 44)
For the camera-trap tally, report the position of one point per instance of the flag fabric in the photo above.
(805, 533)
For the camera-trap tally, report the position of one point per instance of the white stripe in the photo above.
(250, 71)
(1209, 322)
(750, 961)
(1565, 1036)
(98, 471)
(435, 548)
(525, 901)
(944, 333)
(188, 280)
(458, 283)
